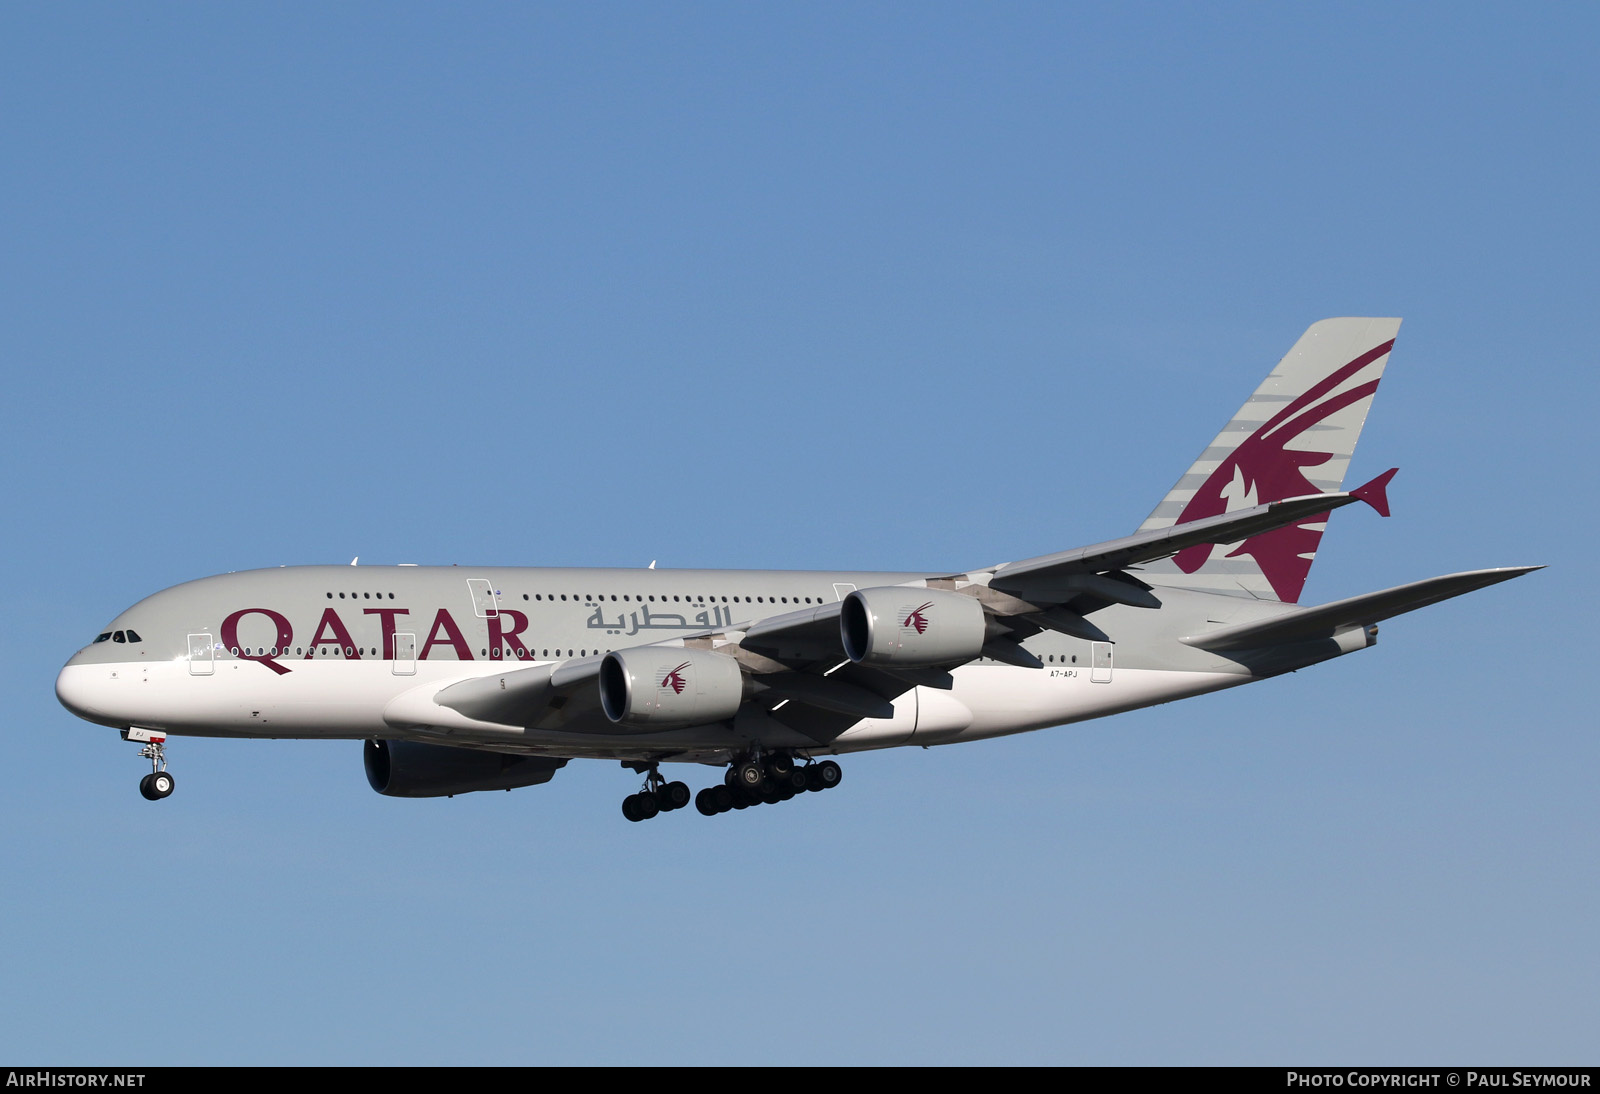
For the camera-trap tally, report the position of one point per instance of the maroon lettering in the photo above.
(389, 627)
(445, 625)
(285, 637)
(334, 627)
(499, 636)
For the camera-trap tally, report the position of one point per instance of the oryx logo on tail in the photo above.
(1263, 468)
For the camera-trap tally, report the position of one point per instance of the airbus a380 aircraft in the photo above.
(462, 679)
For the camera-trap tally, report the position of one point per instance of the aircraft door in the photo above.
(484, 603)
(1100, 663)
(405, 655)
(202, 655)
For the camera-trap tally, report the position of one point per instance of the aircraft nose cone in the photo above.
(77, 692)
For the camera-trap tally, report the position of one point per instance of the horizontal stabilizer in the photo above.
(1326, 620)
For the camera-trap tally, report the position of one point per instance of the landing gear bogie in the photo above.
(739, 790)
(658, 796)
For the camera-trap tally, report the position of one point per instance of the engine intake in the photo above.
(911, 628)
(665, 687)
(411, 769)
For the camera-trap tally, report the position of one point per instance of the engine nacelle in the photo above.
(662, 686)
(911, 628)
(410, 769)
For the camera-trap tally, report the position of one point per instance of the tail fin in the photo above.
(1293, 437)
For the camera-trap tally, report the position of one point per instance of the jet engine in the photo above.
(410, 769)
(662, 687)
(911, 628)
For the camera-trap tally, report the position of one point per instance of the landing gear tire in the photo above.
(828, 774)
(748, 776)
(673, 796)
(779, 764)
(640, 807)
(155, 786)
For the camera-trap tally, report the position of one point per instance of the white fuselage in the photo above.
(336, 652)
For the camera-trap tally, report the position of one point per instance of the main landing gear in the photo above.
(658, 796)
(158, 784)
(765, 782)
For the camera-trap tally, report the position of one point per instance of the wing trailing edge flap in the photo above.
(1326, 620)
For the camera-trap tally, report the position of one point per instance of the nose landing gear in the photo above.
(158, 784)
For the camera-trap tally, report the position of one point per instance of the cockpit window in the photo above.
(133, 635)
(119, 637)
(106, 637)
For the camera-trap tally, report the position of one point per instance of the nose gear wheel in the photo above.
(159, 783)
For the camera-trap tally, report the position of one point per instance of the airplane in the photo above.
(463, 679)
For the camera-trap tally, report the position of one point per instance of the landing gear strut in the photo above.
(158, 784)
(657, 796)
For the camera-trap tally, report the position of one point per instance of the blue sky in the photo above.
(856, 286)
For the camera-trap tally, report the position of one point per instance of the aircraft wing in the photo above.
(1061, 576)
(795, 665)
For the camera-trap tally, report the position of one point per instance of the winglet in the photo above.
(1375, 493)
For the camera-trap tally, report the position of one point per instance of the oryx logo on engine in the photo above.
(915, 620)
(675, 680)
